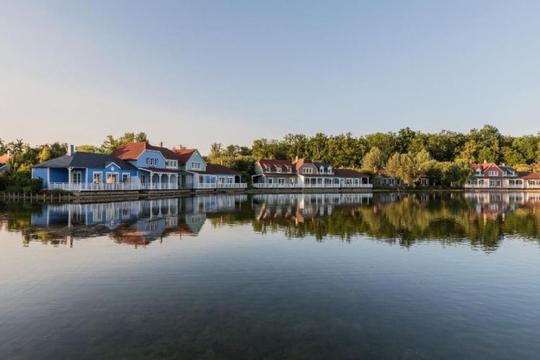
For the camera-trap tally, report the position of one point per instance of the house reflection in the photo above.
(136, 223)
(302, 207)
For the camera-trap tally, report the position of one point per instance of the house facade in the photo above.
(198, 174)
(87, 172)
(492, 176)
(134, 166)
(304, 173)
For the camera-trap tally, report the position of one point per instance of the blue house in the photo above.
(157, 165)
(87, 171)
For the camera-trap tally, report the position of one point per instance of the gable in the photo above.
(194, 159)
(151, 159)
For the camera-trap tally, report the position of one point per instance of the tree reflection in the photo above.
(479, 219)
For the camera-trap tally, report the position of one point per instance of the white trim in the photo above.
(112, 162)
(111, 172)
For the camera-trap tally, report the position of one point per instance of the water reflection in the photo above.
(483, 219)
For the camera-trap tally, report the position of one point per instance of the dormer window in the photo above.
(278, 169)
(329, 169)
(478, 172)
(321, 169)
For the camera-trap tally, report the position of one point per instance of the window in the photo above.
(171, 163)
(125, 178)
(112, 178)
(308, 170)
(196, 165)
(321, 169)
(281, 181)
(97, 178)
(278, 169)
(152, 161)
(492, 173)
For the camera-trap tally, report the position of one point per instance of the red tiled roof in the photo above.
(132, 151)
(4, 158)
(531, 176)
(348, 173)
(267, 164)
(484, 166)
(183, 154)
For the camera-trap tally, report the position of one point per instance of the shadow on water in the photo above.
(481, 219)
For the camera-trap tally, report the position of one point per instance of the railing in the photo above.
(111, 187)
(220, 186)
(319, 186)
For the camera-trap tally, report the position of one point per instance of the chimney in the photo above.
(161, 144)
(485, 161)
(71, 150)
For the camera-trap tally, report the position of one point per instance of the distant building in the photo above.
(303, 173)
(492, 176)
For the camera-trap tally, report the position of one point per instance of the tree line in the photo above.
(443, 157)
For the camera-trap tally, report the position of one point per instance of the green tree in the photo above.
(374, 160)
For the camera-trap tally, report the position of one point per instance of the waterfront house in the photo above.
(303, 173)
(157, 166)
(80, 171)
(492, 176)
(385, 180)
(274, 173)
(198, 174)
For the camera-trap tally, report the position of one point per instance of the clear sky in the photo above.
(203, 71)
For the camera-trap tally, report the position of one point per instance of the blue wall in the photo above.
(40, 173)
(196, 157)
(141, 161)
(111, 168)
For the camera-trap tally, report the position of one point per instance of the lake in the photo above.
(310, 276)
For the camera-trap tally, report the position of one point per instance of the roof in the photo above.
(531, 176)
(4, 158)
(183, 154)
(220, 169)
(348, 173)
(85, 160)
(161, 170)
(271, 166)
(213, 169)
(133, 150)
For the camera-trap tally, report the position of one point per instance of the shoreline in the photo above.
(114, 196)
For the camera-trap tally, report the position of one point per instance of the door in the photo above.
(76, 177)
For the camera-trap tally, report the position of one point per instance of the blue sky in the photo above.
(197, 72)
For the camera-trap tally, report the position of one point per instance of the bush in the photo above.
(20, 182)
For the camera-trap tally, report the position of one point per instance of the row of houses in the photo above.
(142, 166)
(135, 166)
(492, 176)
(303, 173)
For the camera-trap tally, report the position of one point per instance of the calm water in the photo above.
(361, 276)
